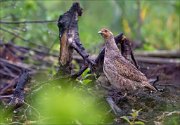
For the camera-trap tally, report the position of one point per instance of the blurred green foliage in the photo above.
(172, 120)
(70, 105)
(1, 116)
(60, 102)
(5, 115)
(158, 21)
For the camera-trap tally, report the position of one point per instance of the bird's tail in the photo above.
(148, 86)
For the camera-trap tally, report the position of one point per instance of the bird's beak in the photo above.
(100, 32)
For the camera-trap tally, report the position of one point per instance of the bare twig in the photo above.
(14, 34)
(16, 65)
(6, 96)
(8, 86)
(167, 114)
(29, 22)
(18, 95)
(20, 37)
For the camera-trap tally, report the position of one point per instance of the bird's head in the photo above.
(105, 33)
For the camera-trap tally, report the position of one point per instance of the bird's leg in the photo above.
(113, 98)
(117, 95)
(113, 106)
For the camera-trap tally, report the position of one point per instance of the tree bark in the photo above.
(69, 39)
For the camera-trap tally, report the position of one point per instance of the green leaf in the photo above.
(126, 119)
(85, 73)
(135, 113)
(86, 81)
(87, 76)
(139, 123)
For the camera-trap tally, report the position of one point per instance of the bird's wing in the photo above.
(128, 70)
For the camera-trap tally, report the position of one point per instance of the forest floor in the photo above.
(162, 107)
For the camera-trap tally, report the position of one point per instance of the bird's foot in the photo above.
(116, 110)
(117, 95)
(113, 99)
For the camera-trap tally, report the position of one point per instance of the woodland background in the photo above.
(155, 23)
(150, 24)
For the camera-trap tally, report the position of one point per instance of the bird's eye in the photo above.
(105, 30)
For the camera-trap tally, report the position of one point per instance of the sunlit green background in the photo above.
(155, 23)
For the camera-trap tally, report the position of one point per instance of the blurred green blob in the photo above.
(173, 120)
(69, 106)
(1, 116)
(5, 115)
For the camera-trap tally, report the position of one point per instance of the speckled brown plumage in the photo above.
(120, 72)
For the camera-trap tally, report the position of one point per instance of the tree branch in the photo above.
(30, 22)
(20, 37)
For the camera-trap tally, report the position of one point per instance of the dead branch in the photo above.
(6, 96)
(15, 66)
(20, 37)
(4, 89)
(69, 39)
(37, 51)
(160, 53)
(161, 118)
(18, 95)
(127, 52)
(156, 60)
(29, 22)
(14, 34)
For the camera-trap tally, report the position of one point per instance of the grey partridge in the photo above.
(122, 74)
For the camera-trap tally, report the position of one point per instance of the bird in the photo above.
(120, 72)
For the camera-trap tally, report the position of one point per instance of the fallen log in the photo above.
(152, 60)
(160, 53)
(18, 95)
(16, 66)
(158, 60)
